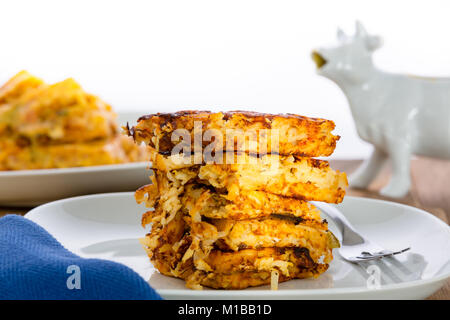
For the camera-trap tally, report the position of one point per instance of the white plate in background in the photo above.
(107, 226)
(24, 188)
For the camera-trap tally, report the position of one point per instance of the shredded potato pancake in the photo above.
(294, 134)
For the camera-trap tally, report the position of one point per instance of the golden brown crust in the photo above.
(295, 134)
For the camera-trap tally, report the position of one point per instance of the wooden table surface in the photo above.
(430, 191)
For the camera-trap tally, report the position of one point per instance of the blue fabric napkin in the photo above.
(33, 265)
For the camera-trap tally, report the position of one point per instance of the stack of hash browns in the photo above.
(245, 222)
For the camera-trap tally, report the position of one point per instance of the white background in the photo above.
(159, 56)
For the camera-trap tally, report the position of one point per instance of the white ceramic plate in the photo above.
(107, 226)
(32, 187)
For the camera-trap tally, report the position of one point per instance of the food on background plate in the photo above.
(118, 149)
(240, 223)
(57, 126)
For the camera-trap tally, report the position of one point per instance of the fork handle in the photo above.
(349, 235)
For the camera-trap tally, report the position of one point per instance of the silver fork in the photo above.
(354, 247)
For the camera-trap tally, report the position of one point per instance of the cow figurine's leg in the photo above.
(369, 170)
(400, 156)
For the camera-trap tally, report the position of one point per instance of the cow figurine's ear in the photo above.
(341, 36)
(360, 31)
(374, 42)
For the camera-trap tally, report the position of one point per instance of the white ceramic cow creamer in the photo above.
(400, 115)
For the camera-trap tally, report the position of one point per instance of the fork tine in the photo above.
(386, 253)
(401, 251)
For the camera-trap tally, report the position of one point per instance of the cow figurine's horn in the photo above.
(360, 30)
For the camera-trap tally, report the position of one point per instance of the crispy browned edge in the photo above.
(258, 116)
